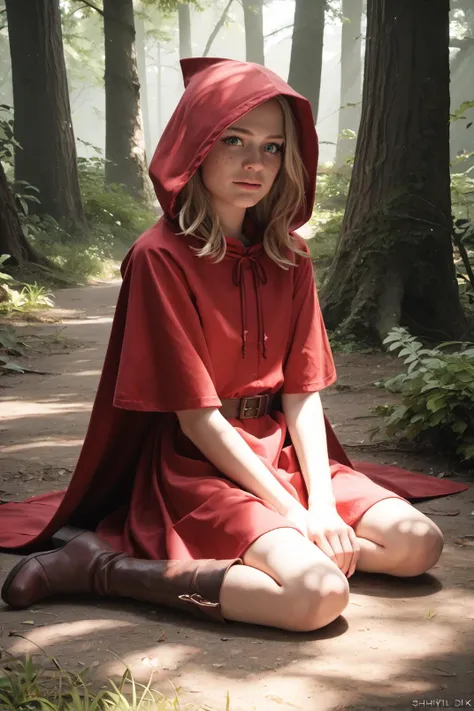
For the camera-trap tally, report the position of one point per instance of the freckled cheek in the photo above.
(218, 168)
(273, 168)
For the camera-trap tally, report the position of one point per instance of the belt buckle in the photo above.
(259, 409)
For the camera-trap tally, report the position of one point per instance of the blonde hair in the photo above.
(274, 213)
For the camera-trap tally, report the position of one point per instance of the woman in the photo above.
(205, 473)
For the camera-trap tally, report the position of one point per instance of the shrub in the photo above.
(437, 393)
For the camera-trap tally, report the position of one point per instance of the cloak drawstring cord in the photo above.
(259, 277)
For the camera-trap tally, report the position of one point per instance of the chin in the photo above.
(247, 200)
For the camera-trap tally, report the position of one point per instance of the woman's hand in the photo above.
(334, 537)
(297, 514)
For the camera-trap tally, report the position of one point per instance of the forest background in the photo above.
(86, 88)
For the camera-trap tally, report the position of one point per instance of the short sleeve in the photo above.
(164, 363)
(309, 365)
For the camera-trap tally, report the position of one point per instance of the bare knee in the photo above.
(315, 599)
(419, 549)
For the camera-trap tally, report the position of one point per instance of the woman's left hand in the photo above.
(334, 537)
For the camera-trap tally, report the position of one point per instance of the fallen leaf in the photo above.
(27, 622)
(464, 540)
(438, 512)
(443, 672)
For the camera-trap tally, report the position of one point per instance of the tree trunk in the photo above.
(159, 89)
(185, 44)
(12, 240)
(394, 259)
(351, 78)
(253, 20)
(462, 131)
(142, 74)
(43, 126)
(124, 143)
(307, 50)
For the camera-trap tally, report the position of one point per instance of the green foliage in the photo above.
(16, 296)
(109, 209)
(437, 392)
(28, 686)
(348, 343)
(332, 188)
(19, 296)
(115, 221)
(167, 6)
(31, 296)
(460, 111)
(462, 193)
(7, 140)
(10, 344)
(326, 220)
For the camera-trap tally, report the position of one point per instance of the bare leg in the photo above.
(397, 539)
(285, 582)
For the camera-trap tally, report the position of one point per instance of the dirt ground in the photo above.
(401, 644)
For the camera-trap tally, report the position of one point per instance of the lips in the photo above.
(248, 183)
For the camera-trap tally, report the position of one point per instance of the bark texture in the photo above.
(307, 50)
(43, 126)
(12, 240)
(394, 260)
(124, 142)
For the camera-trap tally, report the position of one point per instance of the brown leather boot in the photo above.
(87, 564)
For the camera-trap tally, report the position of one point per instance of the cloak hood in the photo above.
(217, 93)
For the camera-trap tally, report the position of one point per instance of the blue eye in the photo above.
(274, 148)
(232, 140)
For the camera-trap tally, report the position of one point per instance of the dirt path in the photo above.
(399, 644)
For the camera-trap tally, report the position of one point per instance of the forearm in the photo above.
(223, 446)
(305, 420)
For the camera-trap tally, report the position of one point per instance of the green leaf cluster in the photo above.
(437, 393)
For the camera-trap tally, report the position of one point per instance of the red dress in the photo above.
(187, 333)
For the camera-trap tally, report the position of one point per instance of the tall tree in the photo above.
(184, 18)
(43, 125)
(253, 21)
(394, 259)
(306, 59)
(217, 28)
(124, 142)
(351, 77)
(462, 90)
(12, 239)
(141, 47)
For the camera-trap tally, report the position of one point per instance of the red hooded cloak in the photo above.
(187, 333)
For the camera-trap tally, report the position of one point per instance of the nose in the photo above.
(253, 159)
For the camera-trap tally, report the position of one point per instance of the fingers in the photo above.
(322, 542)
(356, 552)
(342, 547)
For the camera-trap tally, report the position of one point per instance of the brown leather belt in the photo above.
(247, 408)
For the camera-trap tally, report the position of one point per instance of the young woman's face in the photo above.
(242, 166)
